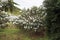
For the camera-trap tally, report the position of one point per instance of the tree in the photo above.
(31, 20)
(9, 5)
(3, 20)
(53, 17)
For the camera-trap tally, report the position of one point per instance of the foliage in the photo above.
(9, 6)
(31, 20)
(53, 17)
(3, 20)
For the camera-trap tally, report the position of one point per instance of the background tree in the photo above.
(9, 5)
(3, 20)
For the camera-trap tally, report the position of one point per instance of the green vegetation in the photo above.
(37, 23)
(52, 18)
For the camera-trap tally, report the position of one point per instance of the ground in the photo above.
(15, 34)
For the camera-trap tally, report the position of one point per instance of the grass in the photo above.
(9, 30)
(15, 34)
(11, 33)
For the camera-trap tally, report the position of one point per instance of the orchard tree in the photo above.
(31, 20)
